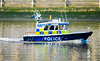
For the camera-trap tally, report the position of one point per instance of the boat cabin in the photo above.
(52, 27)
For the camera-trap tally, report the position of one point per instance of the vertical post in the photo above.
(32, 3)
(1, 3)
(65, 17)
(65, 3)
(50, 17)
(58, 29)
(49, 29)
(62, 17)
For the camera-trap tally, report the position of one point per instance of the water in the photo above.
(48, 51)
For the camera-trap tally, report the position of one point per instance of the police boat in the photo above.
(53, 30)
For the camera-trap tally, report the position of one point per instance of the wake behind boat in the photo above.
(53, 30)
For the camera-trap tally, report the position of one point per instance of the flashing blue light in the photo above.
(32, 16)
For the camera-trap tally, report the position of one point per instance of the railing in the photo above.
(50, 3)
(29, 32)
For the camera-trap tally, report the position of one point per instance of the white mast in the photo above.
(62, 16)
(65, 17)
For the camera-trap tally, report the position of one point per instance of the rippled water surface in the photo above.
(48, 51)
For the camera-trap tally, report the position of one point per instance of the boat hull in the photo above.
(60, 37)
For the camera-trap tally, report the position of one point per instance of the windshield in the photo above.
(55, 27)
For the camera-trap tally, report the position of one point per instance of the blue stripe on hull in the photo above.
(63, 37)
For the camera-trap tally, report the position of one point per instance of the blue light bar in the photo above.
(63, 23)
(40, 25)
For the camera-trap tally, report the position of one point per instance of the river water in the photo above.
(48, 51)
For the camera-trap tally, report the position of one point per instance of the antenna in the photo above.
(65, 17)
(62, 16)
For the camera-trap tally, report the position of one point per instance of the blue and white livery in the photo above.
(53, 30)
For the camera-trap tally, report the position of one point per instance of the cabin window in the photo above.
(46, 28)
(56, 28)
(52, 27)
(61, 27)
